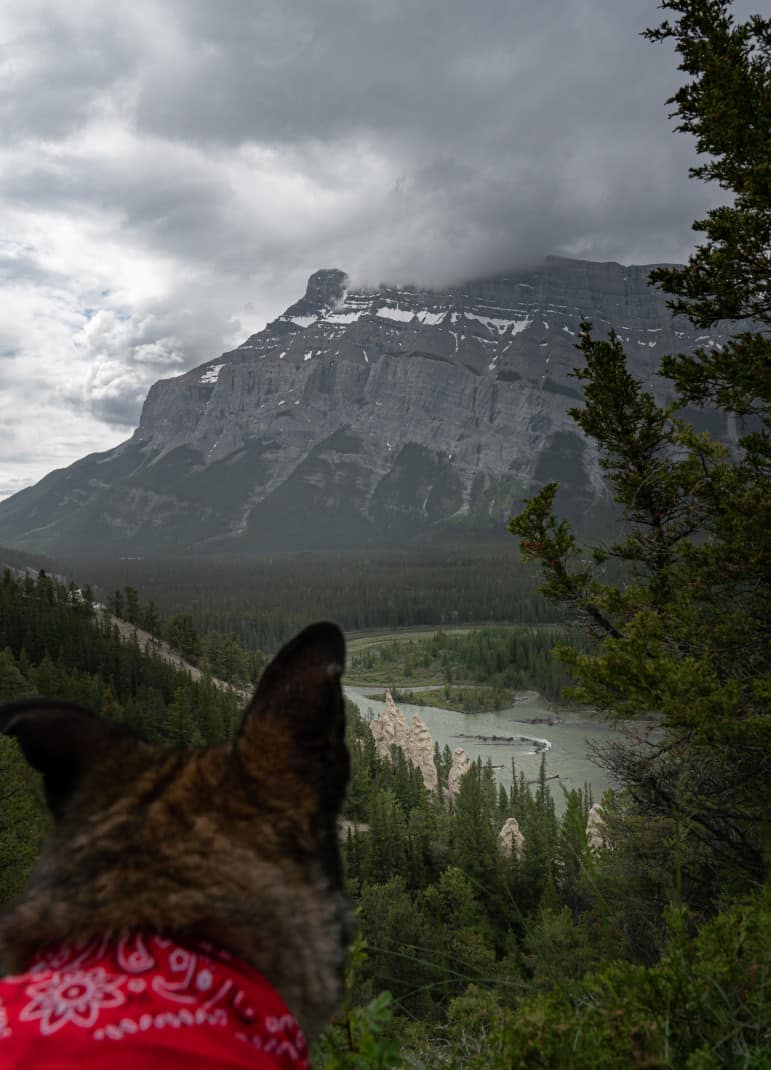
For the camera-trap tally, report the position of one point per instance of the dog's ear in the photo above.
(61, 740)
(293, 731)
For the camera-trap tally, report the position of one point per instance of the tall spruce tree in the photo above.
(685, 633)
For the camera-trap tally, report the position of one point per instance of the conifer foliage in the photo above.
(686, 632)
(53, 642)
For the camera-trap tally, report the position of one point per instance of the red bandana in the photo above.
(145, 1002)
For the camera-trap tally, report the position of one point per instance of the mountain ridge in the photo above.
(362, 417)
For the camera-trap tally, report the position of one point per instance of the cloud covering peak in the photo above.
(172, 173)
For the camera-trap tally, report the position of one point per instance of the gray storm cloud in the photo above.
(526, 127)
(173, 171)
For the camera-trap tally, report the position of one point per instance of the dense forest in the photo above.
(53, 643)
(565, 952)
(462, 944)
(495, 661)
(263, 601)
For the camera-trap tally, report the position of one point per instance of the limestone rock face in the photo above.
(510, 839)
(595, 829)
(460, 766)
(383, 414)
(420, 751)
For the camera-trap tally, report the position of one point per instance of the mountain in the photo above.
(361, 417)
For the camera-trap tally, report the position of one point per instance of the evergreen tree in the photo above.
(460, 931)
(151, 619)
(116, 604)
(400, 941)
(23, 819)
(386, 845)
(13, 683)
(572, 851)
(181, 634)
(131, 605)
(685, 633)
(108, 707)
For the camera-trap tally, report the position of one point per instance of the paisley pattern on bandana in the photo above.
(152, 997)
(74, 996)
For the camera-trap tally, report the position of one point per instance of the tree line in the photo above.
(52, 642)
(220, 654)
(264, 601)
(500, 659)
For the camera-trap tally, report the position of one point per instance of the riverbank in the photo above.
(452, 697)
(499, 737)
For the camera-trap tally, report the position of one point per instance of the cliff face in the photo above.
(360, 418)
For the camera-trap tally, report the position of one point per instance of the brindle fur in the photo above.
(235, 845)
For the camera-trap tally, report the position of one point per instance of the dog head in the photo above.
(234, 844)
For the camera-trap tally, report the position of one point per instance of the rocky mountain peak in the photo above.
(363, 417)
(325, 289)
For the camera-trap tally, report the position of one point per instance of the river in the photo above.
(563, 742)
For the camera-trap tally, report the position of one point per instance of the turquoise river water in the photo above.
(564, 742)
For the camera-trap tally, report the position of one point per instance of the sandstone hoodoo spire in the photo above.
(596, 832)
(390, 729)
(510, 839)
(421, 751)
(383, 415)
(460, 766)
(417, 744)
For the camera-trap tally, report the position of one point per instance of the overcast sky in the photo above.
(172, 171)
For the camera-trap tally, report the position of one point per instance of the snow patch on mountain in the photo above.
(501, 326)
(344, 317)
(212, 373)
(400, 315)
(431, 319)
